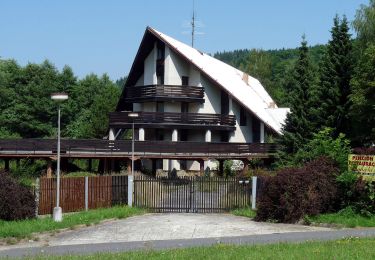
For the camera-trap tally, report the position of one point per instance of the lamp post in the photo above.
(130, 177)
(57, 211)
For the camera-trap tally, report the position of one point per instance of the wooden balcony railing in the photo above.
(95, 147)
(164, 93)
(194, 119)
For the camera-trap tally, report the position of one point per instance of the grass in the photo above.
(351, 248)
(345, 217)
(25, 228)
(245, 212)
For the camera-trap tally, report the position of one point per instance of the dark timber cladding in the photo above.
(191, 194)
(164, 93)
(189, 120)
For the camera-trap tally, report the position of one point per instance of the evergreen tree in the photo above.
(330, 100)
(296, 130)
(363, 99)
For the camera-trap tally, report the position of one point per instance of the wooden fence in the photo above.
(80, 193)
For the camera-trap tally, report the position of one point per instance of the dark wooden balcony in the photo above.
(177, 120)
(153, 93)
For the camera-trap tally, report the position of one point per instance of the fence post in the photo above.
(130, 190)
(36, 193)
(86, 193)
(254, 192)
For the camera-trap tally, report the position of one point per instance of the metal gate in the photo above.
(191, 194)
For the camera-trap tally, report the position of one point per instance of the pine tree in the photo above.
(363, 100)
(296, 130)
(330, 99)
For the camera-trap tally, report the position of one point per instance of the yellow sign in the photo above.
(364, 164)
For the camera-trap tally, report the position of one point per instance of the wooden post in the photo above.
(49, 169)
(6, 164)
(129, 166)
(245, 166)
(153, 168)
(89, 168)
(201, 167)
(221, 168)
(101, 166)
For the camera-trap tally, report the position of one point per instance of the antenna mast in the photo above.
(193, 26)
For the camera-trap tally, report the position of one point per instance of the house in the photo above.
(181, 94)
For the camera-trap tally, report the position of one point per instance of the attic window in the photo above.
(243, 119)
(185, 80)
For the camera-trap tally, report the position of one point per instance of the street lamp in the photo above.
(130, 178)
(57, 211)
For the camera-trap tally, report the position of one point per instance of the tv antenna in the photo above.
(193, 24)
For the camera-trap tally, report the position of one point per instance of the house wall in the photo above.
(174, 68)
(150, 68)
(140, 81)
(242, 133)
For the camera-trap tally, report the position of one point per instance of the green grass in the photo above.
(346, 218)
(245, 212)
(25, 228)
(352, 248)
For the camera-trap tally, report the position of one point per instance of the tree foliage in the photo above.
(27, 111)
(364, 24)
(296, 129)
(330, 105)
(363, 99)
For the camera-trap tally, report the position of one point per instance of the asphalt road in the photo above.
(183, 243)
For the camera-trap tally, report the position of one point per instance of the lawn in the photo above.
(352, 248)
(345, 218)
(25, 228)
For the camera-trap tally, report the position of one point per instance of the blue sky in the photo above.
(103, 36)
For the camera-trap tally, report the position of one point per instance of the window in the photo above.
(224, 103)
(185, 81)
(243, 119)
(256, 129)
(184, 107)
(159, 106)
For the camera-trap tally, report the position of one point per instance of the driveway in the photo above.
(156, 231)
(173, 226)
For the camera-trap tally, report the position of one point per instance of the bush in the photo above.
(323, 143)
(295, 192)
(362, 198)
(16, 201)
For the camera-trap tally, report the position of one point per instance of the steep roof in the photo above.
(248, 91)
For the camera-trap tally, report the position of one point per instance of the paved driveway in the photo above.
(173, 226)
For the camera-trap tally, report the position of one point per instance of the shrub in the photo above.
(16, 201)
(295, 192)
(362, 198)
(323, 143)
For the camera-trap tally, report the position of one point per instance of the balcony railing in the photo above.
(118, 148)
(164, 93)
(157, 119)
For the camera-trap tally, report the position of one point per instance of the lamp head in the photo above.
(59, 97)
(133, 115)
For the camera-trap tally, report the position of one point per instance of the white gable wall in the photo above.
(150, 68)
(242, 133)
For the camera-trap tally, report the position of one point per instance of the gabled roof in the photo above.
(247, 90)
